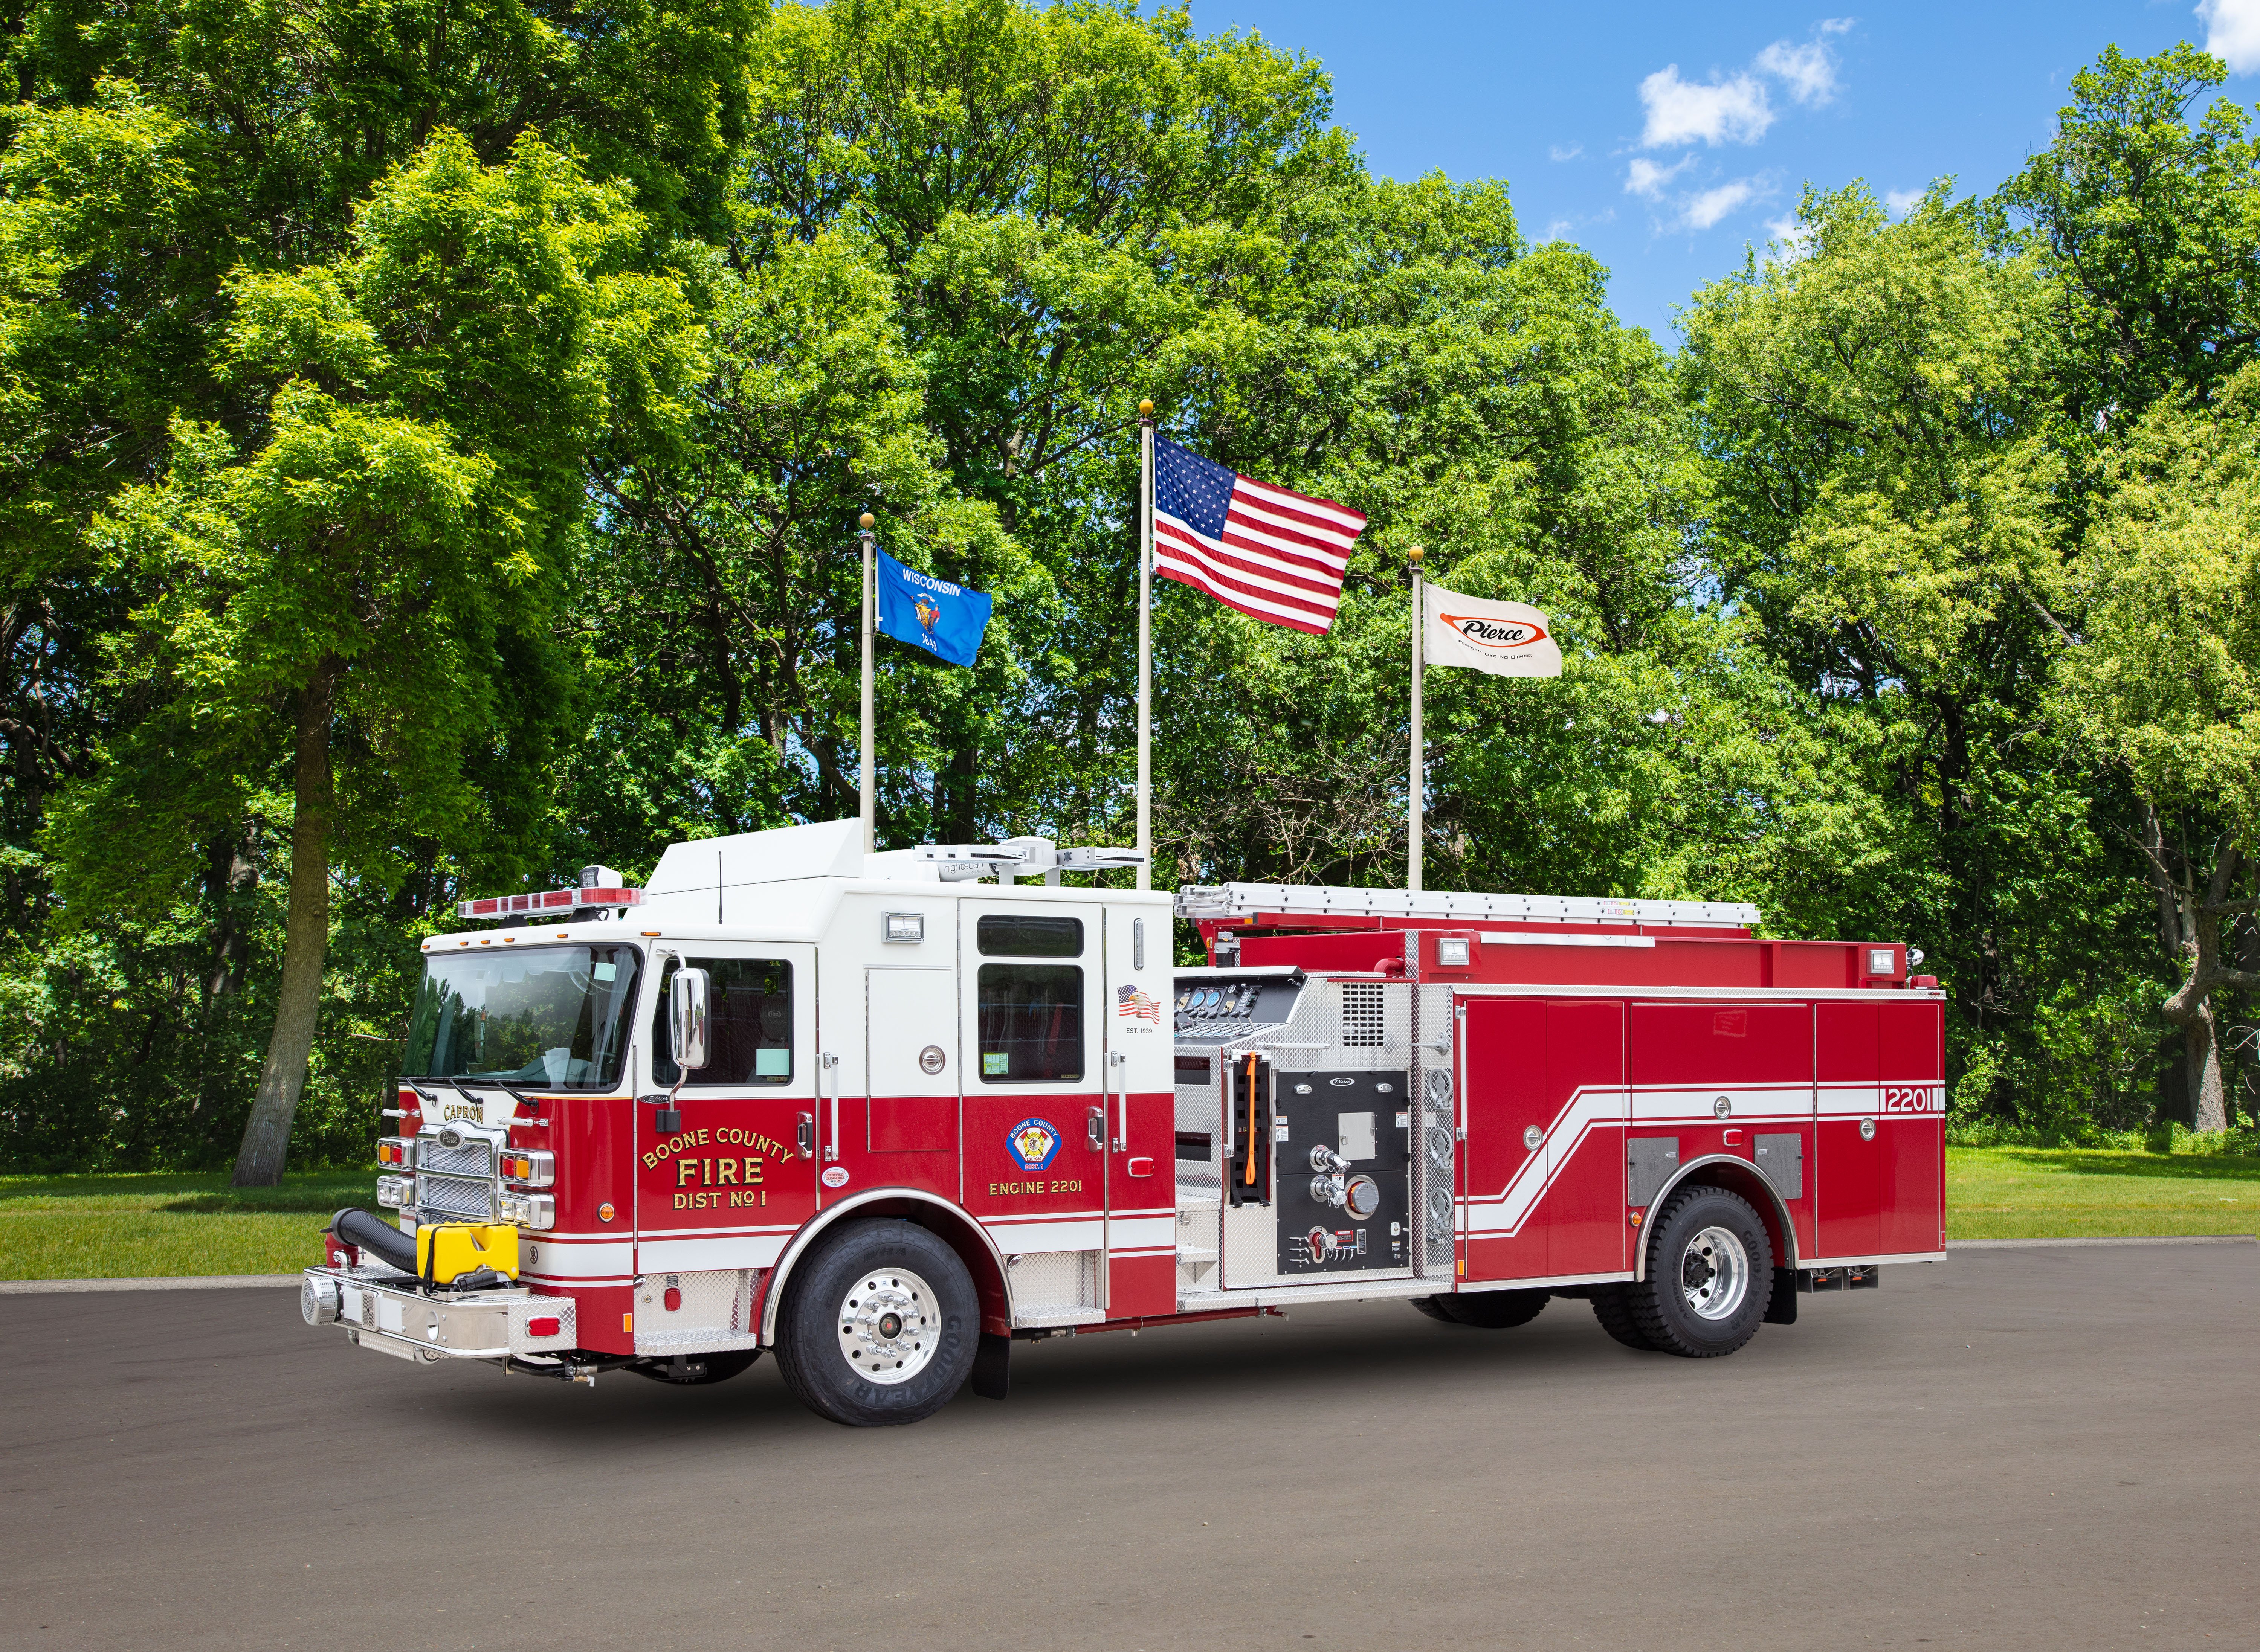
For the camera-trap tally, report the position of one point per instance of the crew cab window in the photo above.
(1031, 1021)
(1009, 935)
(750, 1024)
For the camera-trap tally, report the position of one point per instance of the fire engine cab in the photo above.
(885, 1114)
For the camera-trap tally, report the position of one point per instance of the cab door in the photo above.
(728, 1186)
(1036, 1123)
(903, 1131)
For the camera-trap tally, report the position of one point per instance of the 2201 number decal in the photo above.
(1914, 1099)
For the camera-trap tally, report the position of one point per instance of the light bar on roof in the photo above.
(546, 902)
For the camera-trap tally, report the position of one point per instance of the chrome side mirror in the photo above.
(686, 1020)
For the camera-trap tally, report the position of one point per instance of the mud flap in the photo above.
(1781, 1309)
(992, 1365)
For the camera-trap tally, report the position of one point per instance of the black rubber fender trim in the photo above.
(992, 1366)
(1781, 1308)
(366, 1230)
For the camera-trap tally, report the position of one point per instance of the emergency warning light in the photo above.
(600, 889)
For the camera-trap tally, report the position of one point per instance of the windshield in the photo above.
(554, 1017)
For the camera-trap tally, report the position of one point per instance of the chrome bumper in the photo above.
(410, 1325)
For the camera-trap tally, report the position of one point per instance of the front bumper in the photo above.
(383, 1309)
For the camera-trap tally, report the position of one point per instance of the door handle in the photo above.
(831, 1064)
(808, 1135)
(1117, 1062)
(1094, 1128)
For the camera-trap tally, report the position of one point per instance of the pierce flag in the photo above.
(945, 620)
(1505, 638)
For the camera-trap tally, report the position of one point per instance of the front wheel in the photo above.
(881, 1326)
(1710, 1274)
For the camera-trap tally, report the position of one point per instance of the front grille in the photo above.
(470, 1198)
(475, 1157)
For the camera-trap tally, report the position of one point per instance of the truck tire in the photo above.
(1710, 1274)
(1495, 1310)
(1433, 1308)
(696, 1370)
(880, 1326)
(1614, 1312)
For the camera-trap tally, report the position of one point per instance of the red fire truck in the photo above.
(887, 1114)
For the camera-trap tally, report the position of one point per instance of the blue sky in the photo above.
(1665, 139)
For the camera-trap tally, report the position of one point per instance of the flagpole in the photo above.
(868, 790)
(1420, 738)
(1146, 645)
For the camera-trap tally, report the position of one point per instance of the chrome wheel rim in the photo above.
(1714, 1274)
(887, 1326)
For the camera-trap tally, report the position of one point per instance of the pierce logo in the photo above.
(1494, 634)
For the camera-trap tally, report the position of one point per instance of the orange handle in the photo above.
(1249, 1179)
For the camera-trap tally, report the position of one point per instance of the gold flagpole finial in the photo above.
(865, 520)
(1415, 553)
(1145, 410)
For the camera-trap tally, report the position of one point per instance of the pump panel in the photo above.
(1343, 1166)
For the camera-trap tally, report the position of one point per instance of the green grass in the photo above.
(2084, 1192)
(142, 1227)
(150, 1227)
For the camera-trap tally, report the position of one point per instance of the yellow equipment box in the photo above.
(446, 1251)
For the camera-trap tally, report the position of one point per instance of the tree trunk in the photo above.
(305, 938)
(2208, 1102)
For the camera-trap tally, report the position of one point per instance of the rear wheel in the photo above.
(1495, 1310)
(881, 1326)
(1613, 1309)
(1710, 1274)
(1433, 1308)
(694, 1370)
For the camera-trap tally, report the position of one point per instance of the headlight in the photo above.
(394, 1192)
(529, 1210)
(535, 1169)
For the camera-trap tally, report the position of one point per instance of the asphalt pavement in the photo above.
(2048, 1447)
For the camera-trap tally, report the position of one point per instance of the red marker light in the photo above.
(673, 1299)
(549, 1326)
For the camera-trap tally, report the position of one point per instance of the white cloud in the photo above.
(1566, 151)
(1790, 235)
(1737, 108)
(1708, 207)
(2232, 32)
(1644, 177)
(1900, 201)
(1718, 111)
(1809, 71)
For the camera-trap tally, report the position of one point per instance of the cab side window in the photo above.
(749, 1028)
(1030, 1014)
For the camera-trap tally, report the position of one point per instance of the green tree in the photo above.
(2166, 683)
(380, 557)
(1888, 473)
(2146, 226)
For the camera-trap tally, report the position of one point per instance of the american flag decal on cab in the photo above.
(1132, 1002)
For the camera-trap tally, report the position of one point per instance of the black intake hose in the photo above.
(366, 1230)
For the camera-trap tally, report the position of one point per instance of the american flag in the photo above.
(1271, 554)
(1131, 1001)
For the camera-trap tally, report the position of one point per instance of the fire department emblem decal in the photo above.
(1034, 1143)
